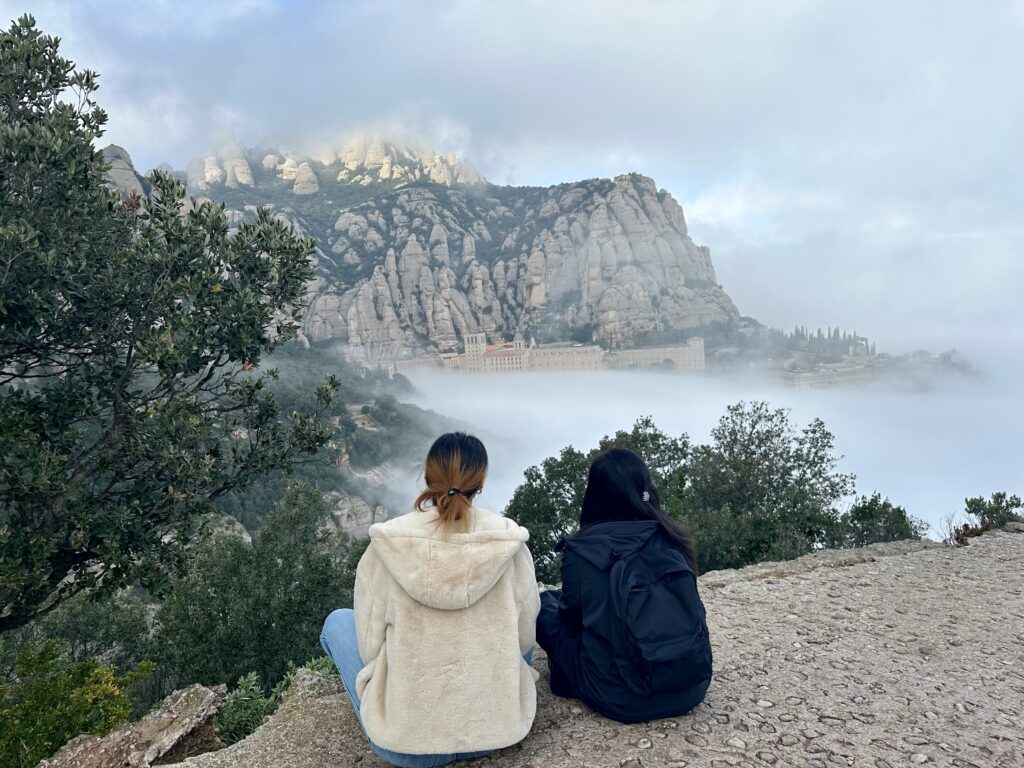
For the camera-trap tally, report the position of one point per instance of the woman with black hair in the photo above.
(626, 633)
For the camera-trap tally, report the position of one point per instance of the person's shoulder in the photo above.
(485, 520)
(411, 523)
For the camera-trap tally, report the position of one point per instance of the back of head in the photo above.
(620, 488)
(454, 473)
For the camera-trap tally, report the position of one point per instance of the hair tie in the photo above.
(647, 496)
(453, 491)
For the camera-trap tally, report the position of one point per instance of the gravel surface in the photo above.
(892, 655)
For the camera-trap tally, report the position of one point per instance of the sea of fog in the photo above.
(925, 450)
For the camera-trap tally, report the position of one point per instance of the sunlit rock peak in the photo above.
(377, 158)
(363, 158)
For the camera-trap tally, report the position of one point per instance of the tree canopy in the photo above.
(130, 335)
(761, 489)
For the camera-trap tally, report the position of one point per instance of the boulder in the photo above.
(306, 182)
(180, 728)
(121, 172)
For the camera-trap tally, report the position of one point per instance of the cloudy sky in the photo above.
(854, 163)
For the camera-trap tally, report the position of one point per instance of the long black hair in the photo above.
(617, 485)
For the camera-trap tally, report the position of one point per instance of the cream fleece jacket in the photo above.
(442, 626)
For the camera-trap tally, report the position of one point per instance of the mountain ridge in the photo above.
(417, 249)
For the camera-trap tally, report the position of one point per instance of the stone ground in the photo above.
(892, 655)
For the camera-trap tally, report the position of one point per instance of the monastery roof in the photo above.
(505, 352)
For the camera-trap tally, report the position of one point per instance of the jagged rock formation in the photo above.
(180, 728)
(897, 654)
(367, 159)
(416, 249)
(229, 166)
(439, 262)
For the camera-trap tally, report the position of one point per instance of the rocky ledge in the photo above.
(895, 654)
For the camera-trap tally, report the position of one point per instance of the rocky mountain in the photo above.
(417, 249)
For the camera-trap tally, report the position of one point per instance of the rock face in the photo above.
(431, 264)
(121, 172)
(352, 514)
(416, 249)
(229, 166)
(898, 654)
(182, 727)
(306, 182)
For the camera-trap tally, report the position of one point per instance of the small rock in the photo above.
(644, 744)
(919, 757)
(737, 743)
(765, 704)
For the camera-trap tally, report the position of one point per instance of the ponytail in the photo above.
(454, 474)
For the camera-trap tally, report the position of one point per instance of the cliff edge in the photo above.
(897, 654)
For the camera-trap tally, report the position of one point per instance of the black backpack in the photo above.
(664, 639)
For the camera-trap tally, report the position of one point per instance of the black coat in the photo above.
(575, 622)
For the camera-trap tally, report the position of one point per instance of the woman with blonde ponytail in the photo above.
(435, 654)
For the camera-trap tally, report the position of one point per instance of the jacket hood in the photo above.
(448, 573)
(604, 543)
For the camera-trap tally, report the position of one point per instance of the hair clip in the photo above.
(453, 491)
(647, 496)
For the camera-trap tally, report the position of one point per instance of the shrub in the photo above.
(874, 519)
(998, 510)
(983, 515)
(53, 699)
(256, 607)
(322, 665)
(245, 709)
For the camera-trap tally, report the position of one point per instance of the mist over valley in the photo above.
(925, 450)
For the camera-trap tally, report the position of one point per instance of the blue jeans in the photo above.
(339, 642)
